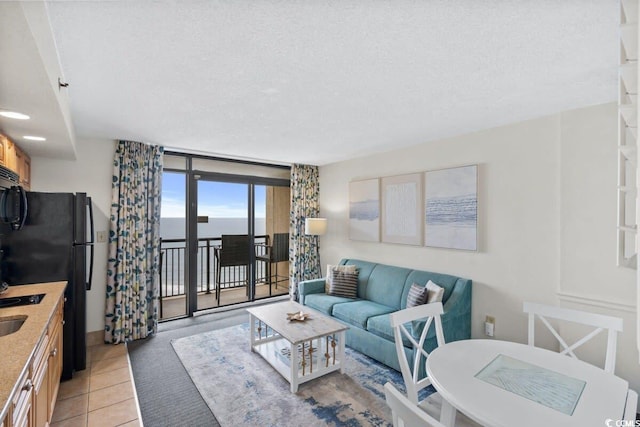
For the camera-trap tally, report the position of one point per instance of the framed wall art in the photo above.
(402, 209)
(451, 215)
(364, 210)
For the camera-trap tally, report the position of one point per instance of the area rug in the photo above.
(241, 388)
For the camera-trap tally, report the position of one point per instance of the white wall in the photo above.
(589, 278)
(547, 217)
(90, 173)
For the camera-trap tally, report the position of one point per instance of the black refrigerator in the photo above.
(55, 244)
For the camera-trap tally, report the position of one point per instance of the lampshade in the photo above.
(315, 226)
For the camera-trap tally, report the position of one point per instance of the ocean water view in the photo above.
(175, 228)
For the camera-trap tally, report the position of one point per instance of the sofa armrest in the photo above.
(306, 287)
(456, 316)
(456, 319)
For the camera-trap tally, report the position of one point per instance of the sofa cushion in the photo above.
(386, 285)
(324, 303)
(357, 313)
(381, 326)
(344, 284)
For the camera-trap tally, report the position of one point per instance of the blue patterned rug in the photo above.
(241, 388)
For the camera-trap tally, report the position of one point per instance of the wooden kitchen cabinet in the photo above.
(40, 376)
(35, 401)
(46, 370)
(55, 358)
(12, 157)
(21, 407)
(23, 167)
(3, 145)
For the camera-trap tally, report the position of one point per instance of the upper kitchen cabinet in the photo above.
(3, 144)
(23, 168)
(12, 157)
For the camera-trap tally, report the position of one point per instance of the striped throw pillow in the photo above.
(417, 295)
(344, 284)
(347, 267)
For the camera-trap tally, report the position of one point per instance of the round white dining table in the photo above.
(454, 368)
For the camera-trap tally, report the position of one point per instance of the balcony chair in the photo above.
(411, 375)
(233, 253)
(406, 413)
(601, 322)
(274, 253)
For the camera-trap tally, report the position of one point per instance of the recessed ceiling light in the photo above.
(14, 115)
(34, 138)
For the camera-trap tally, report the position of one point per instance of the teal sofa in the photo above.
(383, 289)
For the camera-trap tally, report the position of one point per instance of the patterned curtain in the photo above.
(134, 243)
(303, 249)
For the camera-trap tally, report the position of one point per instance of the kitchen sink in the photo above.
(9, 325)
(23, 300)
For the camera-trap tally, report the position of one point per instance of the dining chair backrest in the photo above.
(600, 322)
(399, 319)
(406, 413)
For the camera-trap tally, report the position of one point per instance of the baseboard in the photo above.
(95, 338)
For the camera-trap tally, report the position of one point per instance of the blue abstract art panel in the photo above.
(364, 210)
(451, 213)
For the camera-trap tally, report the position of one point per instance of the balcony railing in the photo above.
(172, 267)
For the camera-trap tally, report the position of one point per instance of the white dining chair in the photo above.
(406, 413)
(430, 312)
(600, 322)
(631, 407)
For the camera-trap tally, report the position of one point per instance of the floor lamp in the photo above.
(316, 227)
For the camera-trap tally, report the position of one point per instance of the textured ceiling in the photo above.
(322, 81)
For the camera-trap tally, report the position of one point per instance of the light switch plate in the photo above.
(489, 325)
(102, 236)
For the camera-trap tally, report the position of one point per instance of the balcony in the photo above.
(232, 290)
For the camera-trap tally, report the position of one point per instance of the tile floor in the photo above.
(100, 396)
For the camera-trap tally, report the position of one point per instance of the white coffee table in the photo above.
(299, 351)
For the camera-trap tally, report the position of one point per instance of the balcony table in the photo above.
(453, 368)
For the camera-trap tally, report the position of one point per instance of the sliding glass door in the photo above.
(224, 240)
(224, 258)
(173, 233)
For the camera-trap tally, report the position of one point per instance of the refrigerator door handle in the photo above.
(13, 207)
(88, 285)
(90, 243)
(91, 239)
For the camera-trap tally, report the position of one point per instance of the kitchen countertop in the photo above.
(16, 350)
